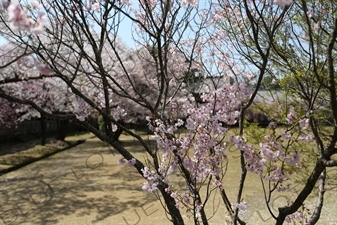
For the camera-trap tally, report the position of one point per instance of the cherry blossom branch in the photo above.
(309, 185)
(17, 79)
(329, 163)
(320, 200)
(331, 77)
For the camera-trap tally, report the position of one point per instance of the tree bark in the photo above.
(320, 200)
(285, 211)
(117, 134)
(174, 212)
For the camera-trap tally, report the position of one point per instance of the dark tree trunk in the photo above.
(306, 191)
(170, 203)
(43, 129)
(174, 212)
(117, 134)
(61, 129)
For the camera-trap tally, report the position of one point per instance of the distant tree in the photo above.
(24, 78)
(8, 116)
(270, 83)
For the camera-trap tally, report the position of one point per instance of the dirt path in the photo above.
(85, 185)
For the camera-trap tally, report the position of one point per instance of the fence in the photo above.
(28, 127)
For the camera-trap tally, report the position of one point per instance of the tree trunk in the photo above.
(117, 134)
(306, 191)
(170, 203)
(320, 200)
(43, 129)
(61, 129)
(174, 212)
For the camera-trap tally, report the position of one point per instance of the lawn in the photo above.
(85, 185)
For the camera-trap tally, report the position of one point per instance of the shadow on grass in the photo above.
(133, 146)
(77, 184)
(21, 159)
(75, 192)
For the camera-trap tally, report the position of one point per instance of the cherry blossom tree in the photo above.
(98, 60)
(23, 79)
(235, 44)
(290, 36)
(8, 116)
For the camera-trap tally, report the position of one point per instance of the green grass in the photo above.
(252, 191)
(30, 154)
(39, 151)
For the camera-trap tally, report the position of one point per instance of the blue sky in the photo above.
(125, 29)
(125, 33)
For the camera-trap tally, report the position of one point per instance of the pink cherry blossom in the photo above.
(151, 180)
(310, 14)
(17, 17)
(189, 2)
(5, 4)
(114, 127)
(277, 175)
(297, 216)
(291, 117)
(36, 4)
(218, 184)
(21, 21)
(125, 2)
(43, 68)
(131, 162)
(198, 207)
(317, 25)
(96, 6)
(41, 22)
(272, 125)
(294, 159)
(121, 161)
(242, 206)
(174, 194)
(283, 3)
(304, 123)
(186, 198)
(38, 30)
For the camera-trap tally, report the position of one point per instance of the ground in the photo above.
(85, 185)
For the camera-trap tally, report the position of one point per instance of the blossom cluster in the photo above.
(263, 161)
(200, 150)
(189, 2)
(81, 109)
(242, 207)
(8, 116)
(151, 182)
(20, 20)
(283, 3)
(297, 216)
(43, 68)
